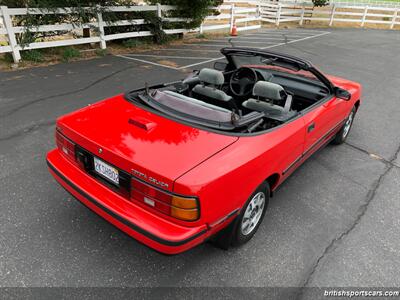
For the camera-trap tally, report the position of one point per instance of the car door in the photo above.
(322, 122)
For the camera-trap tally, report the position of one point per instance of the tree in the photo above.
(320, 2)
(195, 10)
(85, 11)
(61, 3)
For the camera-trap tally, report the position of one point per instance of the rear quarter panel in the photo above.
(225, 181)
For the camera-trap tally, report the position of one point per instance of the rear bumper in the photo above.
(147, 228)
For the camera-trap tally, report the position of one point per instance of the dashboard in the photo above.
(298, 86)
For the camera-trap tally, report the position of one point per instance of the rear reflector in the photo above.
(65, 145)
(183, 208)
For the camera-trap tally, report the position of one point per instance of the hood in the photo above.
(140, 142)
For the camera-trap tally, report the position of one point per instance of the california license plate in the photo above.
(106, 170)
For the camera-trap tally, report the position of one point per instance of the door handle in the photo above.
(311, 127)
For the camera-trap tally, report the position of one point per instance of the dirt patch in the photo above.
(168, 63)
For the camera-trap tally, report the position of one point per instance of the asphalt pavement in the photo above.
(334, 222)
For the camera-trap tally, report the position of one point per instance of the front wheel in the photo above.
(251, 215)
(341, 136)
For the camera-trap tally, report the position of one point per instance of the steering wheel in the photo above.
(242, 81)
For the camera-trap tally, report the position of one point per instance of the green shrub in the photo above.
(70, 53)
(32, 55)
(8, 58)
(196, 11)
(320, 2)
(136, 42)
(201, 36)
(101, 52)
(132, 43)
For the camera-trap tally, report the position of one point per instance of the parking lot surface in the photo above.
(334, 222)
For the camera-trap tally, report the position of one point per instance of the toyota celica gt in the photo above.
(176, 164)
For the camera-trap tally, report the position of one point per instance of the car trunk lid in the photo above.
(151, 147)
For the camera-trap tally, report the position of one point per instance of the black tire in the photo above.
(240, 237)
(343, 133)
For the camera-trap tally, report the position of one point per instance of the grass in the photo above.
(133, 43)
(201, 36)
(32, 55)
(70, 53)
(7, 58)
(101, 52)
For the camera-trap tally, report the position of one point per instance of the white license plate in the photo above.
(106, 170)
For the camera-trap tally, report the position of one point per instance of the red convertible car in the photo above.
(176, 164)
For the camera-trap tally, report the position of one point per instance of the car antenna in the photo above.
(231, 42)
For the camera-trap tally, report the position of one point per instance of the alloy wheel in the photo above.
(253, 213)
(347, 125)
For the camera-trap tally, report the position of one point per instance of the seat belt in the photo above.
(288, 103)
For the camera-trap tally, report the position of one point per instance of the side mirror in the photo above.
(342, 94)
(220, 66)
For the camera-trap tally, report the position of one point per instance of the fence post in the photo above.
(394, 18)
(101, 28)
(302, 14)
(259, 13)
(159, 13)
(259, 10)
(364, 16)
(232, 16)
(332, 14)
(278, 14)
(10, 34)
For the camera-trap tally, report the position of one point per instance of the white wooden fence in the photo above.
(276, 13)
(372, 3)
(228, 15)
(234, 14)
(246, 14)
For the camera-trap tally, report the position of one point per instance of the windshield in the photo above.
(274, 64)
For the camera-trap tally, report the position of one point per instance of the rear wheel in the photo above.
(341, 136)
(251, 215)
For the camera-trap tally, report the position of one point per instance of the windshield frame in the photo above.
(291, 60)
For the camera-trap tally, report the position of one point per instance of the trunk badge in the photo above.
(100, 150)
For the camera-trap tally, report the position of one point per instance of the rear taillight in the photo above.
(183, 208)
(65, 145)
